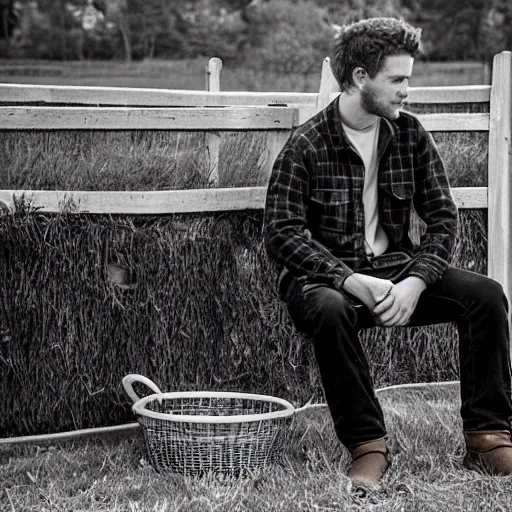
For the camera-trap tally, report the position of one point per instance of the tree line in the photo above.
(277, 35)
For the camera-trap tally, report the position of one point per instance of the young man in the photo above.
(336, 221)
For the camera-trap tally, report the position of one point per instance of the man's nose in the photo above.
(404, 88)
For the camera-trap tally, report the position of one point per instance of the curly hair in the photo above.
(367, 43)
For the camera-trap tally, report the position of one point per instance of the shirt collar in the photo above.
(388, 129)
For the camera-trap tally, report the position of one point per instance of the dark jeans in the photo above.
(474, 302)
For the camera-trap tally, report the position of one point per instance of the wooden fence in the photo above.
(33, 107)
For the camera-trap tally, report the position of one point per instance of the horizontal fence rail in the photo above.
(96, 96)
(455, 122)
(126, 118)
(195, 118)
(178, 201)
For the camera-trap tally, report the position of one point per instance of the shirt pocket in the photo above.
(331, 210)
(396, 196)
(396, 206)
(402, 191)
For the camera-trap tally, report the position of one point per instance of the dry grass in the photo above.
(130, 160)
(56, 288)
(159, 160)
(114, 475)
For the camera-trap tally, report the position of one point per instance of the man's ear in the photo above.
(359, 77)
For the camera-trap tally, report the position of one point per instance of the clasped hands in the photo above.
(390, 304)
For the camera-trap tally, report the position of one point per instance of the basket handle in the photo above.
(134, 377)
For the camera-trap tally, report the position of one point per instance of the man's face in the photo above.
(383, 95)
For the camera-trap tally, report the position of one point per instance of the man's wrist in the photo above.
(339, 282)
(352, 283)
(417, 281)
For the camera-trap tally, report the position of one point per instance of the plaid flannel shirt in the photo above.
(316, 188)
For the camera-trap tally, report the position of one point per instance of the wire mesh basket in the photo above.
(201, 432)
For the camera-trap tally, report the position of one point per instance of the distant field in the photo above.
(189, 74)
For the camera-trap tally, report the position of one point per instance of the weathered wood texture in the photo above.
(328, 84)
(500, 174)
(178, 201)
(131, 118)
(224, 118)
(212, 73)
(213, 69)
(455, 122)
(24, 94)
(213, 148)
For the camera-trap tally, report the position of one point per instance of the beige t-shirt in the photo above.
(365, 143)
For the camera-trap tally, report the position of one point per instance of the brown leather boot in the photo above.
(369, 462)
(489, 450)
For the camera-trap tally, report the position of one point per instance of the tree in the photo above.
(496, 29)
(116, 11)
(8, 17)
(349, 11)
(288, 36)
(450, 29)
(44, 30)
(8, 20)
(157, 34)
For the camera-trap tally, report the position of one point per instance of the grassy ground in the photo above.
(189, 74)
(426, 475)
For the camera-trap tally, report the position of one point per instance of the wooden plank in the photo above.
(470, 197)
(151, 202)
(274, 143)
(499, 265)
(212, 72)
(306, 113)
(129, 96)
(328, 84)
(455, 122)
(195, 118)
(127, 118)
(450, 94)
(178, 201)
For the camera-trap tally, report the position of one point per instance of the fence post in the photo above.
(500, 174)
(212, 74)
(328, 85)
